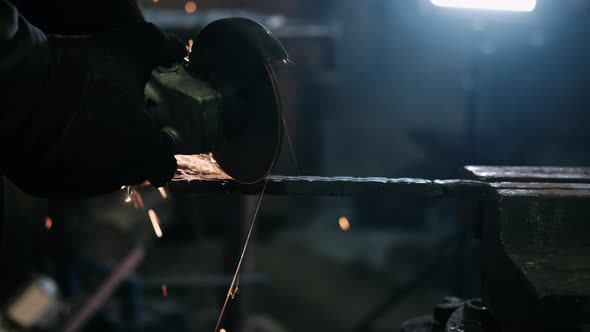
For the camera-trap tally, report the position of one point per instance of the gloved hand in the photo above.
(91, 132)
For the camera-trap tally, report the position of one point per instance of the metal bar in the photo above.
(528, 174)
(98, 298)
(315, 186)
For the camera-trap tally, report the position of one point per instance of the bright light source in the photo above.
(510, 5)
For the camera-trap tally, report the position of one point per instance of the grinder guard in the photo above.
(225, 99)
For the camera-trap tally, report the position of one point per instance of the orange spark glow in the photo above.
(164, 290)
(199, 167)
(137, 199)
(156, 1)
(48, 222)
(190, 7)
(163, 192)
(344, 224)
(155, 222)
(189, 49)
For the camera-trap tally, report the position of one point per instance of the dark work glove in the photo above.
(91, 132)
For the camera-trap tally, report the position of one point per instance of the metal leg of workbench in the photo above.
(460, 256)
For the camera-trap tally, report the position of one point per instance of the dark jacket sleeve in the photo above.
(73, 117)
(24, 61)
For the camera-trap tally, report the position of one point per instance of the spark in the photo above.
(137, 199)
(190, 7)
(48, 223)
(199, 167)
(164, 290)
(288, 61)
(155, 222)
(291, 148)
(163, 192)
(233, 287)
(129, 193)
(123, 187)
(279, 106)
(344, 224)
(189, 50)
(235, 291)
(223, 330)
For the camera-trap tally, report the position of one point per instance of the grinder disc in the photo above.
(234, 56)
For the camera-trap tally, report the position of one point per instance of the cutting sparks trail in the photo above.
(286, 61)
(279, 106)
(48, 223)
(155, 222)
(133, 196)
(291, 149)
(129, 194)
(344, 224)
(163, 192)
(189, 49)
(233, 287)
(190, 7)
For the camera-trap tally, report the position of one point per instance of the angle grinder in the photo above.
(224, 99)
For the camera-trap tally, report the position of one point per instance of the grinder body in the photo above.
(225, 99)
(189, 108)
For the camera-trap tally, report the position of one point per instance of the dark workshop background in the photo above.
(379, 88)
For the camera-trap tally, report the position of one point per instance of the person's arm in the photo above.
(23, 68)
(73, 119)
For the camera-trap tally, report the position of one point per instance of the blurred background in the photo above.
(377, 88)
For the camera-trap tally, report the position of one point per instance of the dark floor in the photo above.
(306, 292)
